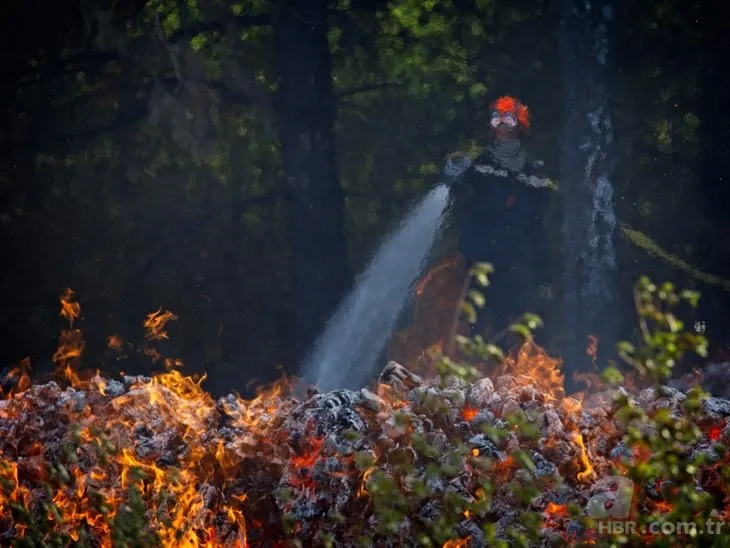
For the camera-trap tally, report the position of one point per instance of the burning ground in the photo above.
(437, 461)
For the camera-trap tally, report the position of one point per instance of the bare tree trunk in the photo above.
(589, 216)
(713, 173)
(315, 202)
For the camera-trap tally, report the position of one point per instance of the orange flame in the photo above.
(554, 514)
(114, 342)
(554, 509)
(434, 309)
(533, 361)
(468, 413)
(67, 356)
(70, 309)
(362, 491)
(181, 409)
(21, 373)
(457, 543)
(155, 324)
(592, 349)
(662, 507)
(235, 516)
(435, 273)
(587, 472)
(152, 353)
(184, 514)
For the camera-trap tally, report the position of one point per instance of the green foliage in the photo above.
(45, 523)
(664, 342)
(662, 435)
(664, 338)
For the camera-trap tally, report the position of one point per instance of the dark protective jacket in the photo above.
(500, 204)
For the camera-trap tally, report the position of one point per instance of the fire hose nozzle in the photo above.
(456, 164)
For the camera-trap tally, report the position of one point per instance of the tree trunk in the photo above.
(589, 216)
(315, 203)
(714, 179)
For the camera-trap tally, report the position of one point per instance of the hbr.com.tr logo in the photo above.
(611, 505)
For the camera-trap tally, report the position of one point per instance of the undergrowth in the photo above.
(669, 469)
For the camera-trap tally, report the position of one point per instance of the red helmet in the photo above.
(510, 112)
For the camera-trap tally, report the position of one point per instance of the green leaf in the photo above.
(612, 376)
(477, 90)
(521, 330)
(476, 297)
(468, 310)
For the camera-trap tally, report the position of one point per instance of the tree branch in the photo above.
(215, 26)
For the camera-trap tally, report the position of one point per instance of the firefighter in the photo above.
(499, 202)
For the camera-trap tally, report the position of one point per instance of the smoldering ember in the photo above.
(417, 460)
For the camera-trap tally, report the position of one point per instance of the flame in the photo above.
(642, 452)
(185, 409)
(11, 490)
(309, 459)
(172, 408)
(155, 324)
(457, 543)
(587, 473)
(434, 309)
(592, 349)
(20, 374)
(362, 491)
(502, 470)
(533, 361)
(572, 405)
(152, 353)
(67, 356)
(160, 441)
(171, 363)
(468, 413)
(70, 309)
(114, 342)
(662, 507)
(390, 398)
(553, 509)
(715, 431)
(554, 514)
(235, 516)
(435, 274)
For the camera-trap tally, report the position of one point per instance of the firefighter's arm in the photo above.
(531, 177)
(535, 181)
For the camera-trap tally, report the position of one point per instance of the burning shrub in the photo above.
(453, 460)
